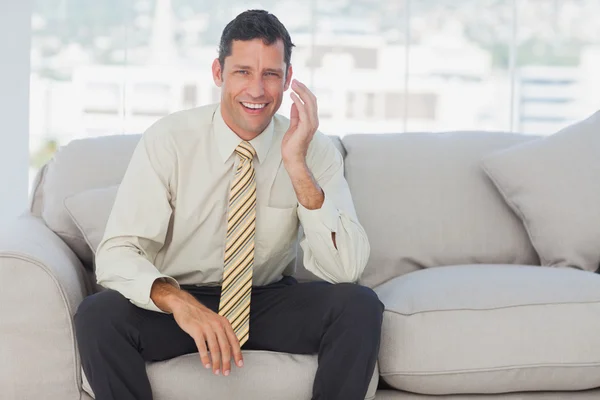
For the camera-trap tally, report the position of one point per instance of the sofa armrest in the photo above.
(42, 283)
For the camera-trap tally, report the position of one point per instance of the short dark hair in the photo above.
(255, 24)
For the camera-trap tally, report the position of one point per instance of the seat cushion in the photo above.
(265, 375)
(593, 394)
(424, 201)
(491, 329)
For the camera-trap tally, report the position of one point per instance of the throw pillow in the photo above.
(90, 210)
(553, 185)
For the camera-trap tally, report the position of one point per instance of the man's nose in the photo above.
(256, 87)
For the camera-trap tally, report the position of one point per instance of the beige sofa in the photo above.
(470, 313)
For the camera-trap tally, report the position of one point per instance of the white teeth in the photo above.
(254, 106)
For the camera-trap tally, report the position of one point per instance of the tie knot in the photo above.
(245, 150)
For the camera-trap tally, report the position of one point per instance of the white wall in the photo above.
(15, 44)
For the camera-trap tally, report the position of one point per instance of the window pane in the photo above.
(558, 62)
(71, 42)
(459, 75)
(357, 64)
(113, 66)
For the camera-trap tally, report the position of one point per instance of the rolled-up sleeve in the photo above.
(336, 215)
(139, 221)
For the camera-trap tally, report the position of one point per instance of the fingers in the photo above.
(201, 344)
(305, 94)
(225, 349)
(215, 350)
(310, 102)
(294, 117)
(235, 345)
(302, 113)
(215, 340)
(222, 344)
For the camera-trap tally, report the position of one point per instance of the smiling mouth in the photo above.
(253, 106)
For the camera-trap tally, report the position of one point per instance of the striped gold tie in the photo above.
(239, 245)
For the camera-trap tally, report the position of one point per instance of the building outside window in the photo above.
(114, 67)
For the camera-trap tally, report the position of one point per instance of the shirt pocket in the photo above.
(276, 234)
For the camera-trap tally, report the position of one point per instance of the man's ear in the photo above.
(288, 78)
(217, 72)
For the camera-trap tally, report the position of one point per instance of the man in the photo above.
(203, 227)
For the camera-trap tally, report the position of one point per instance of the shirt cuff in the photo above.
(327, 216)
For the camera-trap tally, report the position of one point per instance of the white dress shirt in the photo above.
(169, 218)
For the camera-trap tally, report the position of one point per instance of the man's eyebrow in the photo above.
(240, 66)
(278, 70)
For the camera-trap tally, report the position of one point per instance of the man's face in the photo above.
(252, 81)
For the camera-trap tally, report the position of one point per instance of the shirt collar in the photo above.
(227, 140)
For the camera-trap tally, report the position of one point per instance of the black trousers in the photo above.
(339, 322)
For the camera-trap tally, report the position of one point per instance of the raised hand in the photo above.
(304, 122)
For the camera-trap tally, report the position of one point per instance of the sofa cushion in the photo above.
(593, 394)
(265, 375)
(553, 185)
(79, 166)
(90, 210)
(424, 202)
(491, 329)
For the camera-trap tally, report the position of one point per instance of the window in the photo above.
(420, 106)
(362, 58)
(383, 66)
(556, 51)
(190, 96)
(150, 99)
(102, 98)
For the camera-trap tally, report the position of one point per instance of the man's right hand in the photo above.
(202, 324)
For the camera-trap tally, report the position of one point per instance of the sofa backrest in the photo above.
(422, 198)
(424, 201)
(81, 165)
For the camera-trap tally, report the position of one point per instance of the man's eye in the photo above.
(242, 72)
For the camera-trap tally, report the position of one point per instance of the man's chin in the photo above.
(258, 129)
(255, 125)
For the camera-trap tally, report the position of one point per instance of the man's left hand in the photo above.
(304, 121)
